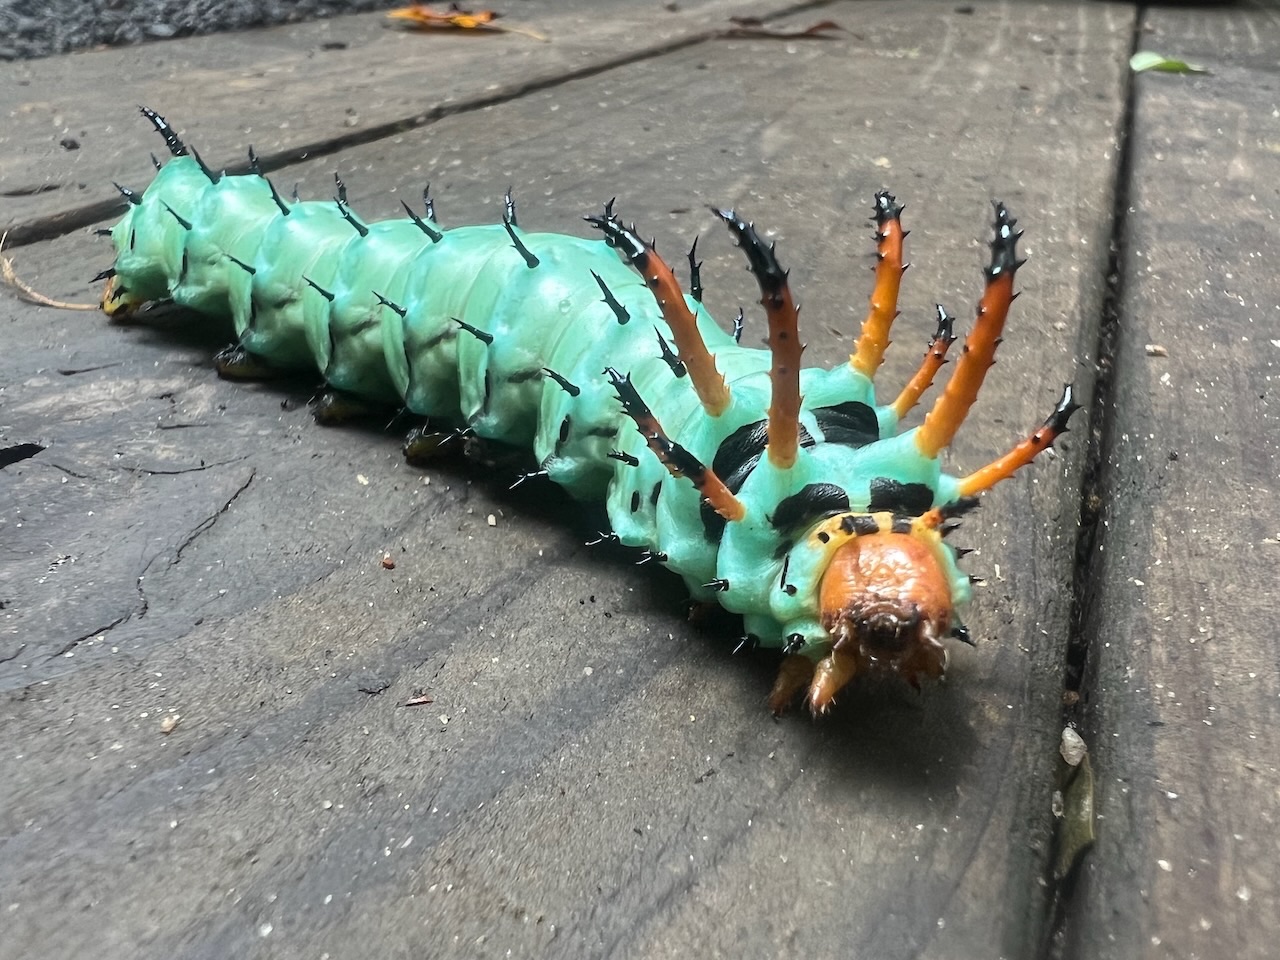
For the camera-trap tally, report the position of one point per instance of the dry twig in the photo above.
(12, 279)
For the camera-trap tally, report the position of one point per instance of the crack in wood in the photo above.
(173, 473)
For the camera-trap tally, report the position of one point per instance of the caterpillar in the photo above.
(785, 494)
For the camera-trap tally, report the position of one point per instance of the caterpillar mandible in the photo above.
(785, 494)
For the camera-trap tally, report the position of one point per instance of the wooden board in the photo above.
(293, 92)
(1184, 707)
(594, 777)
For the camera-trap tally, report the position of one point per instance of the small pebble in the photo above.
(1072, 747)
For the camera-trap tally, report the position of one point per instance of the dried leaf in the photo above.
(419, 16)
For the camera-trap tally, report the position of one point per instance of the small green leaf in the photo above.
(1148, 60)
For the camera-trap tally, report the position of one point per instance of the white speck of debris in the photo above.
(491, 520)
(362, 479)
(588, 671)
(169, 723)
(1244, 894)
(444, 718)
(1165, 865)
(1072, 747)
(327, 805)
(1057, 804)
(328, 899)
(173, 824)
(265, 930)
(1156, 350)
(407, 841)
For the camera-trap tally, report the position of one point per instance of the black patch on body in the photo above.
(904, 499)
(817, 501)
(851, 424)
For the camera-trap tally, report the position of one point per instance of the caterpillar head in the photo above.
(887, 599)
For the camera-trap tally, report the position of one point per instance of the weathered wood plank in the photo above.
(1185, 698)
(293, 91)
(607, 782)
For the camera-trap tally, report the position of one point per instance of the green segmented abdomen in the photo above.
(510, 334)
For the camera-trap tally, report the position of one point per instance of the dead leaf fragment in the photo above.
(422, 16)
(387, 562)
(419, 16)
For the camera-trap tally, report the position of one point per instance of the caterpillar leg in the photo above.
(793, 676)
(934, 358)
(1001, 469)
(337, 406)
(425, 445)
(948, 413)
(832, 673)
(873, 340)
(237, 363)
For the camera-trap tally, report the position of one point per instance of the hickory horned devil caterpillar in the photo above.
(818, 521)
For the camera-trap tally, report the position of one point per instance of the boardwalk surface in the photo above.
(595, 776)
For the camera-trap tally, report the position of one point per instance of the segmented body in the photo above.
(557, 344)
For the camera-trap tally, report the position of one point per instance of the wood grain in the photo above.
(594, 777)
(1185, 693)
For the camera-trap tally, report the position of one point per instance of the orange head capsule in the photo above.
(886, 601)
